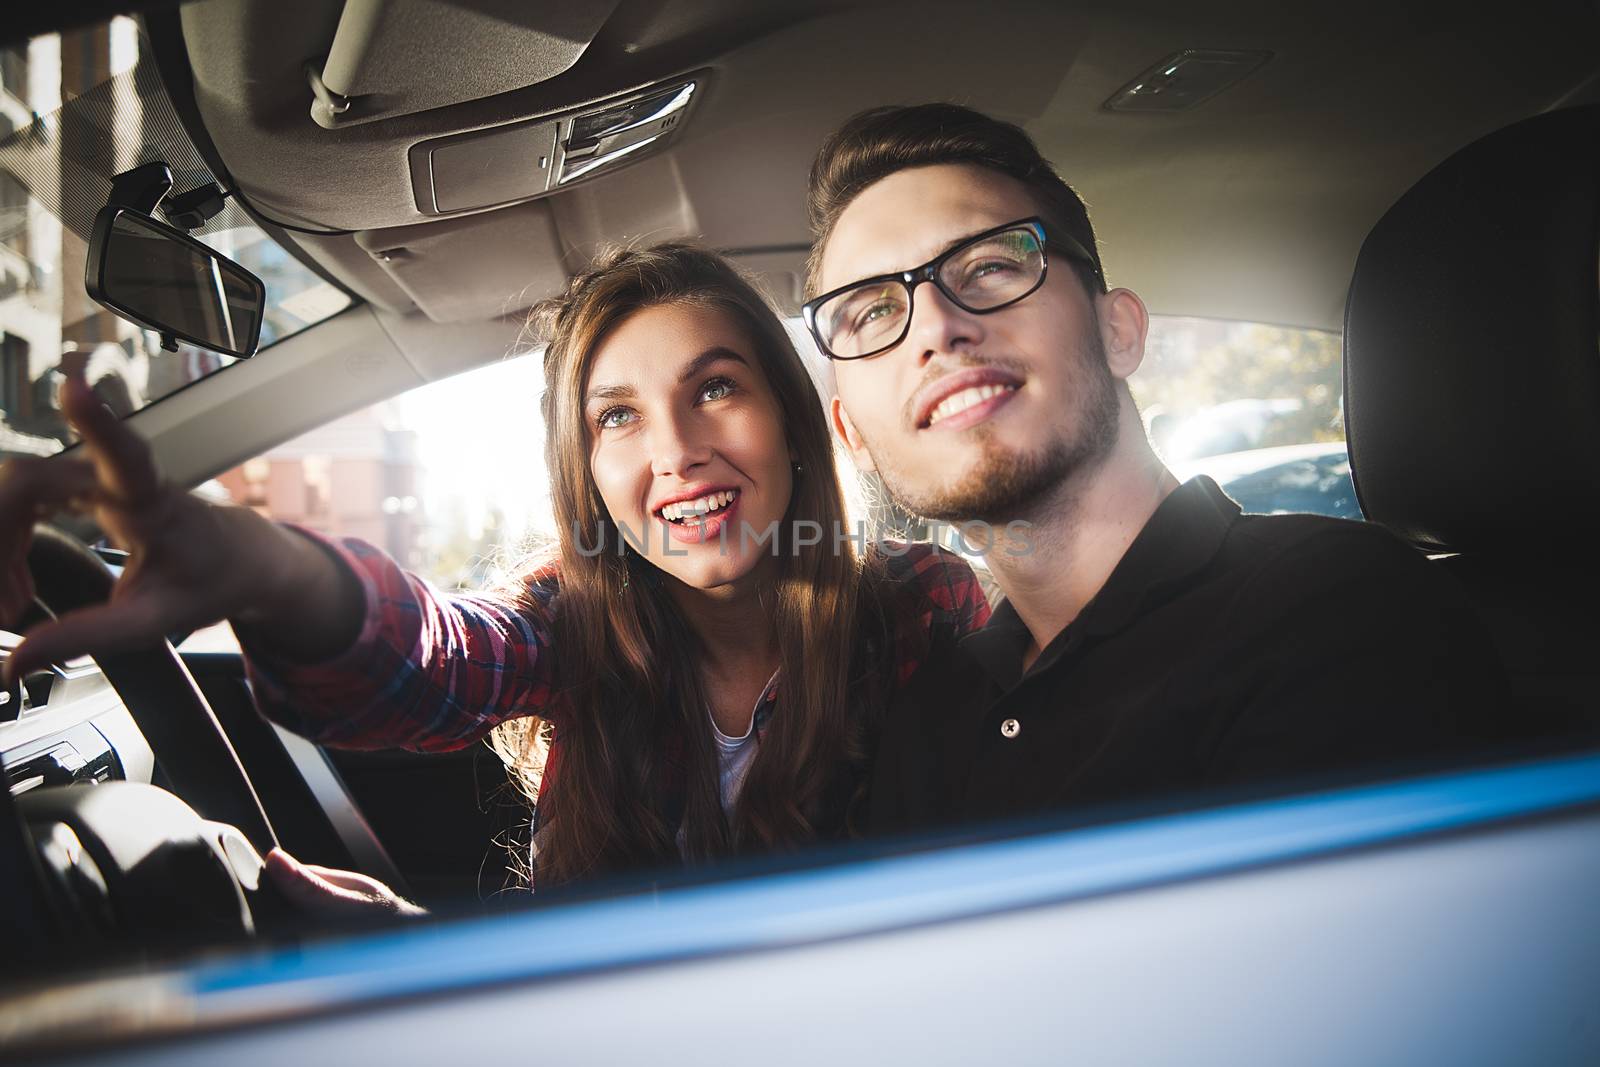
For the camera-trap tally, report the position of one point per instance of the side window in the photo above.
(1256, 407)
(449, 479)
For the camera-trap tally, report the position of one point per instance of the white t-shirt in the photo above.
(734, 755)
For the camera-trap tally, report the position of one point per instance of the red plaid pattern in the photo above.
(432, 672)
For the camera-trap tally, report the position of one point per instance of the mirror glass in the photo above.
(172, 283)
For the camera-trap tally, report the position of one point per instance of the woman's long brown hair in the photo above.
(631, 695)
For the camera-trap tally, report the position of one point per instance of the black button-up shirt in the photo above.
(1224, 649)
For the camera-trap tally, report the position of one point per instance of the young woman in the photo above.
(698, 671)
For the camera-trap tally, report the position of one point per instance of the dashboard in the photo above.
(67, 725)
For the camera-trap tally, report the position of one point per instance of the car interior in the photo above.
(1423, 180)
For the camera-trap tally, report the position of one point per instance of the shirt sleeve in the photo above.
(429, 671)
(947, 602)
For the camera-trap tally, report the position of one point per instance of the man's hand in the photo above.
(325, 893)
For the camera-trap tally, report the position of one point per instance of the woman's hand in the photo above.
(326, 893)
(190, 563)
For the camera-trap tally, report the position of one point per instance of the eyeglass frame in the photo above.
(929, 272)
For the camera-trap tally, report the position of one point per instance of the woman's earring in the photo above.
(799, 468)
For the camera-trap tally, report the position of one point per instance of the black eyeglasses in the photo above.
(984, 273)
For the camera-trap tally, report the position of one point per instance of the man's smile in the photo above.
(963, 398)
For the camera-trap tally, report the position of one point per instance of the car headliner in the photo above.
(1251, 206)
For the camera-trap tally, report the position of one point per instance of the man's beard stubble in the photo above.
(1003, 484)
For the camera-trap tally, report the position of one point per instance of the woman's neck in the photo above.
(733, 623)
(738, 644)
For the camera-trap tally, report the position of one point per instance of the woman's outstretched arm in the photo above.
(190, 563)
(427, 671)
(341, 644)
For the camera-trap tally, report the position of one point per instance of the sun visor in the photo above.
(478, 267)
(399, 57)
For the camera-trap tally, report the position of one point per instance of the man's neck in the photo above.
(1077, 536)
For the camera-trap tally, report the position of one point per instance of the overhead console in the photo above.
(523, 160)
(499, 241)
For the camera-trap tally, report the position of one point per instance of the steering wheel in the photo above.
(148, 837)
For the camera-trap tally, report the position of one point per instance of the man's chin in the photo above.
(996, 488)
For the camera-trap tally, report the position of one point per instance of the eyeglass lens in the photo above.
(987, 274)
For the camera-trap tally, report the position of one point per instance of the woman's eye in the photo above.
(717, 389)
(614, 418)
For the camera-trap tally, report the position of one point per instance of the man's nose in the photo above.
(677, 446)
(939, 326)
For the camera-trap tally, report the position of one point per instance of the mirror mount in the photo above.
(149, 186)
(192, 210)
(142, 188)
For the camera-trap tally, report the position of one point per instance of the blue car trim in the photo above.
(872, 895)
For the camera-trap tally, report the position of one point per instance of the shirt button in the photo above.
(1010, 728)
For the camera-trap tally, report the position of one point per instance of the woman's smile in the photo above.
(700, 516)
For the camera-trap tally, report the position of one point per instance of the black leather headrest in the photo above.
(1472, 345)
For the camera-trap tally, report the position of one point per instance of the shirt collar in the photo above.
(764, 705)
(1182, 536)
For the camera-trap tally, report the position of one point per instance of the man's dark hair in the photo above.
(883, 140)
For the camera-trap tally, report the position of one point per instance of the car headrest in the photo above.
(1472, 345)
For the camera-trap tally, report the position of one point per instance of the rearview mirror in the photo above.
(167, 281)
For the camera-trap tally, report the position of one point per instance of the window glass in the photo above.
(1256, 407)
(449, 479)
(56, 91)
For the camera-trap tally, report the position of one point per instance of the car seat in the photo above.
(1472, 395)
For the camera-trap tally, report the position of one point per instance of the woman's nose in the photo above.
(677, 447)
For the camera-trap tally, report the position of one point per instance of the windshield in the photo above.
(61, 95)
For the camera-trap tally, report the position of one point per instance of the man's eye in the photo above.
(614, 418)
(876, 311)
(717, 389)
(990, 268)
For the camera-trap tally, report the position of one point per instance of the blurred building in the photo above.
(356, 476)
(45, 313)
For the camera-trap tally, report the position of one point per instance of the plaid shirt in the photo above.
(433, 672)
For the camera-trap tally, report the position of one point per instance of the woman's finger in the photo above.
(332, 893)
(16, 594)
(32, 488)
(121, 457)
(116, 626)
(312, 894)
(369, 887)
(29, 490)
(351, 880)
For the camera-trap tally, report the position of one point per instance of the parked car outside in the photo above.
(1313, 478)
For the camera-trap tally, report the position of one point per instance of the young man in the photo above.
(1153, 640)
